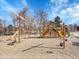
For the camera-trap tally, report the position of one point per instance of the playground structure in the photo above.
(48, 30)
(61, 32)
(37, 37)
(57, 31)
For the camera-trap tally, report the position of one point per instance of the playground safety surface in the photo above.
(39, 48)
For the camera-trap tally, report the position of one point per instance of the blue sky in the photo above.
(68, 10)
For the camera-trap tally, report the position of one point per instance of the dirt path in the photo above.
(40, 48)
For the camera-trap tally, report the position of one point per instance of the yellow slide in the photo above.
(61, 33)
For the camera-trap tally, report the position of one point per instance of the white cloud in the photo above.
(6, 6)
(57, 5)
(8, 9)
(75, 15)
(74, 21)
(73, 12)
(63, 12)
(24, 2)
(77, 6)
(58, 1)
(70, 14)
(69, 10)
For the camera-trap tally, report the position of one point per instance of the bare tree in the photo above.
(1, 27)
(75, 27)
(41, 17)
(14, 20)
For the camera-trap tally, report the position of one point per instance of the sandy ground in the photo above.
(39, 48)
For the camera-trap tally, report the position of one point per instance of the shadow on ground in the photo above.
(41, 47)
(50, 47)
(75, 43)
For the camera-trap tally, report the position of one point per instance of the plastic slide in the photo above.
(61, 34)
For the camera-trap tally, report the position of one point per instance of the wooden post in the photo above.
(64, 42)
(19, 28)
(19, 31)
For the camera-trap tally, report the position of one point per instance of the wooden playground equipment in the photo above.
(61, 31)
(58, 31)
